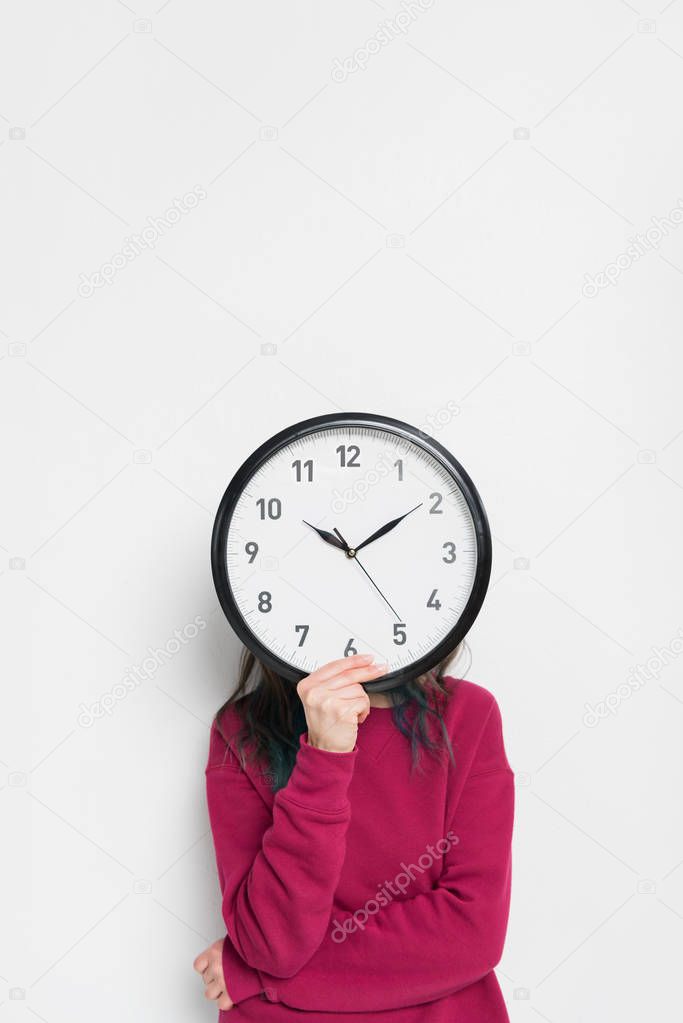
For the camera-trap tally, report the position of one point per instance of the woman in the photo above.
(363, 845)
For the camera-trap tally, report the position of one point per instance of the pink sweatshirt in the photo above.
(360, 891)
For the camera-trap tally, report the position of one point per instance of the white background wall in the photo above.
(412, 238)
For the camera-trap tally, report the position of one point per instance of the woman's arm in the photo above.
(279, 866)
(278, 875)
(420, 949)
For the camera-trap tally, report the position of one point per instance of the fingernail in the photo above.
(378, 666)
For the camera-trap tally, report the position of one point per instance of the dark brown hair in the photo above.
(272, 716)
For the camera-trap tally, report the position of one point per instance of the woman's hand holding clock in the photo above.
(335, 702)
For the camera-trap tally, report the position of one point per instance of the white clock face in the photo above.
(308, 601)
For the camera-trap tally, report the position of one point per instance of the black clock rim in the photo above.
(301, 429)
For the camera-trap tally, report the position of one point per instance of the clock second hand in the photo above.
(353, 555)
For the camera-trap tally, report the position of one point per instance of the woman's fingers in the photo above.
(349, 677)
(214, 989)
(210, 964)
(225, 1001)
(352, 709)
(356, 675)
(201, 962)
(328, 671)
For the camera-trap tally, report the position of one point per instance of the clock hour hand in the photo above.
(385, 529)
(327, 537)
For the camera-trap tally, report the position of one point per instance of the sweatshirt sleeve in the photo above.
(278, 868)
(419, 949)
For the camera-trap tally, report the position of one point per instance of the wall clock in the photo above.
(351, 533)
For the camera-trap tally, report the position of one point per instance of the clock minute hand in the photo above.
(398, 617)
(386, 528)
(351, 553)
(327, 537)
